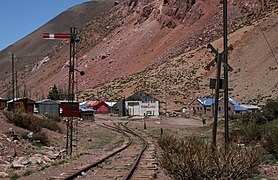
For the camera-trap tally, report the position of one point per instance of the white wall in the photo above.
(142, 109)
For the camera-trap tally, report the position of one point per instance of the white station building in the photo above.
(141, 104)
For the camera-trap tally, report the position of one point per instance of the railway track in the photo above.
(123, 163)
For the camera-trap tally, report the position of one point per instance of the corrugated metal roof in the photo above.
(92, 103)
(48, 101)
(17, 99)
(66, 101)
(87, 110)
(250, 106)
(84, 106)
(110, 103)
(239, 108)
(233, 102)
(206, 101)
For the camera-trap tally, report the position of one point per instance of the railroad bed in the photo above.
(133, 160)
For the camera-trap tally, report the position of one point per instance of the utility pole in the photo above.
(13, 82)
(24, 92)
(16, 86)
(225, 56)
(221, 57)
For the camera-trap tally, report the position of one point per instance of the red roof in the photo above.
(96, 104)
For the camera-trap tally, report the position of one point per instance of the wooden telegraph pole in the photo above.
(13, 105)
(226, 87)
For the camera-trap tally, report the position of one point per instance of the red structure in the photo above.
(100, 107)
(56, 36)
(65, 109)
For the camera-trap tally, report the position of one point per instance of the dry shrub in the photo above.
(264, 134)
(248, 133)
(192, 158)
(31, 122)
(55, 118)
(41, 137)
(269, 140)
(259, 127)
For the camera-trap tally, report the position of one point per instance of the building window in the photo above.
(133, 103)
(229, 108)
(219, 108)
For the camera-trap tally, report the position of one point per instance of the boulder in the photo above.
(47, 159)
(16, 164)
(52, 155)
(36, 160)
(30, 135)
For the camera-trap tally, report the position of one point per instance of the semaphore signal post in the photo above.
(74, 38)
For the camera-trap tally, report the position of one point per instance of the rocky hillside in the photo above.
(183, 78)
(159, 46)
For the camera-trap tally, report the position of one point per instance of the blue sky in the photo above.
(21, 17)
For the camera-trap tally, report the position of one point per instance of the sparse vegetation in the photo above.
(103, 139)
(33, 124)
(269, 140)
(27, 172)
(55, 118)
(14, 176)
(259, 127)
(192, 158)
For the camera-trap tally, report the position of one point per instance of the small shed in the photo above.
(21, 105)
(48, 107)
(119, 108)
(69, 108)
(3, 103)
(87, 114)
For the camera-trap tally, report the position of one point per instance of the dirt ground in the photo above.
(94, 142)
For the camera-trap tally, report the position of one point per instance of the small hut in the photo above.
(48, 107)
(21, 105)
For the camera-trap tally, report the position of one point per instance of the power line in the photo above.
(268, 45)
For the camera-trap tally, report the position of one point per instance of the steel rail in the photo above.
(86, 168)
(124, 131)
(134, 166)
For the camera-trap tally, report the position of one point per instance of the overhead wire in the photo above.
(268, 44)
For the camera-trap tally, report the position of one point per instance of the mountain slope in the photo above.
(183, 78)
(33, 47)
(137, 45)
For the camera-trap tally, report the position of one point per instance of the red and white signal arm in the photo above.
(55, 36)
